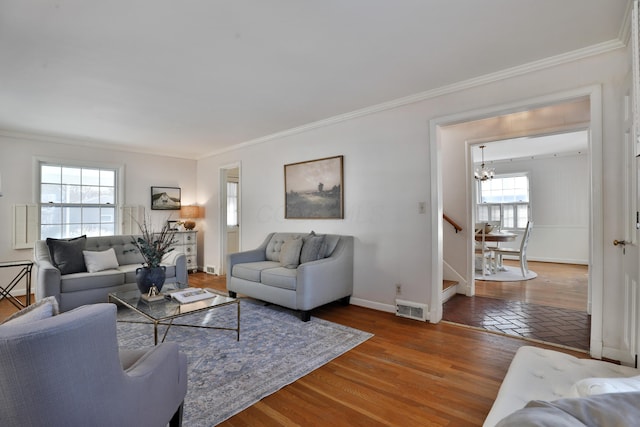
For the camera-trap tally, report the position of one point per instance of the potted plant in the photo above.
(152, 246)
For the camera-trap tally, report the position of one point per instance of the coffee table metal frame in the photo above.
(165, 311)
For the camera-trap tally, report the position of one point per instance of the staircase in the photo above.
(449, 288)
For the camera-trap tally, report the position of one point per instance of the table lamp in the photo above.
(189, 213)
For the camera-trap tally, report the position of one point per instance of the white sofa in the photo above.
(547, 375)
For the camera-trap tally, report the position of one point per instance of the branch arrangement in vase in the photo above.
(153, 245)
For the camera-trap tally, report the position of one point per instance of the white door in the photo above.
(627, 244)
(230, 214)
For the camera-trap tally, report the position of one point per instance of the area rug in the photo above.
(227, 376)
(510, 274)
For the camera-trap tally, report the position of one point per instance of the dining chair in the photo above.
(485, 253)
(520, 253)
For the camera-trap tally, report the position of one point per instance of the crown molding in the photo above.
(625, 27)
(519, 70)
(87, 142)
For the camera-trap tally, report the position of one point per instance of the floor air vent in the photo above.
(210, 269)
(412, 310)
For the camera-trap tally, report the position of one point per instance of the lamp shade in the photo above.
(190, 212)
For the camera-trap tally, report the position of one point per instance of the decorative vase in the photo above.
(146, 277)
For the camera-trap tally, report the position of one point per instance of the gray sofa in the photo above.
(79, 288)
(321, 271)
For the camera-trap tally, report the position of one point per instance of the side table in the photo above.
(25, 272)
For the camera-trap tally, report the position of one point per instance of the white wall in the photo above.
(559, 194)
(142, 171)
(387, 173)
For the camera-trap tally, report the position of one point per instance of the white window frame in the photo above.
(496, 211)
(38, 162)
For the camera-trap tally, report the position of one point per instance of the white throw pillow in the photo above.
(99, 261)
(592, 386)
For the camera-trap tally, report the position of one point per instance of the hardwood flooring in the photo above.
(409, 373)
(557, 285)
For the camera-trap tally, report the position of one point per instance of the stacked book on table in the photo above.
(185, 296)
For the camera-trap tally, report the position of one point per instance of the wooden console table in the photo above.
(25, 272)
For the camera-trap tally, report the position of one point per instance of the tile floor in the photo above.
(555, 325)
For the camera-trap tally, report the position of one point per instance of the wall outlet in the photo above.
(398, 289)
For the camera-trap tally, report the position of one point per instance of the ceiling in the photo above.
(534, 147)
(194, 77)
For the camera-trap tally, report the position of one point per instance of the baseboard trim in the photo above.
(388, 308)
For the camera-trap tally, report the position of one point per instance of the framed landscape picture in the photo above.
(314, 189)
(165, 198)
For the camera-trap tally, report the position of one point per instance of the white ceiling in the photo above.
(535, 147)
(192, 77)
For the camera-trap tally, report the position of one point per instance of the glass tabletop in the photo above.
(167, 309)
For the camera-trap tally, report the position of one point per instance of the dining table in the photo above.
(496, 237)
(501, 236)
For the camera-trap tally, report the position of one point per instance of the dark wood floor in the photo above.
(551, 307)
(409, 373)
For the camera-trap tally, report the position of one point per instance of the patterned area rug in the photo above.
(226, 376)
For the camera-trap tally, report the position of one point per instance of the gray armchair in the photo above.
(66, 370)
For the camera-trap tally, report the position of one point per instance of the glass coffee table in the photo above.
(165, 311)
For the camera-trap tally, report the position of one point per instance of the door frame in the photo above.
(222, 224)
(596, 214)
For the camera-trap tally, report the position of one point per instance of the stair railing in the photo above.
(452, 222)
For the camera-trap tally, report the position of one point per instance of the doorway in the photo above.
(540, 180)
(514, 119)
(230, 213)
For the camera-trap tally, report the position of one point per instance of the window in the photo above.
(232, 204)
(505, 200)
(76, 200)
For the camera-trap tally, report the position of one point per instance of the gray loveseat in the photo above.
(295, 270)
(79, 288)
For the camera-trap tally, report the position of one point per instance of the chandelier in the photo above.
(483, 173)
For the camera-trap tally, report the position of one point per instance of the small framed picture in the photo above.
(173, 225)
(165, 198)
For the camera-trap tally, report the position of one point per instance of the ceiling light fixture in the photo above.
(483, 173)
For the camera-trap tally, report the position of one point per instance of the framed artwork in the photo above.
(173, 225)
(165, 198)
(314, 189)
